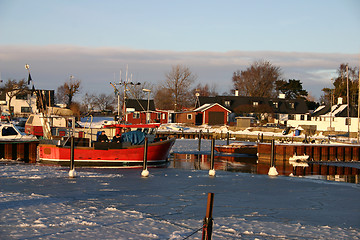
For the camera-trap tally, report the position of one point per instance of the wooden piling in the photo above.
(212, 154)
(33, 152)
(208, 220)
(8, 151)
(20, 148)
(272, 159)
(72, 151)
(199, 144)
(145, 154)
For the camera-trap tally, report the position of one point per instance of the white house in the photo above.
(334, 119)
(25, 104)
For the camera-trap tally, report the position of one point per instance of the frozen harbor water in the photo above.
(41, 202)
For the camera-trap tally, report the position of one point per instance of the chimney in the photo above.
(340, 101)
(236, 92)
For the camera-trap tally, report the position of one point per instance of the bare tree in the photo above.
(178, 82)
(15, 88)
(258, 80)
(66, 92)
(105, 102)
(205, 90)
(88, 102)
(163, 99)
(136, 91)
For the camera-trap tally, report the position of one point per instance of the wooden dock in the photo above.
(22, 151)
(316, 152)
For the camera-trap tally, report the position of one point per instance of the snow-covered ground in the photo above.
(42, 202)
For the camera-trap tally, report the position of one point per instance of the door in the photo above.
(216, 118)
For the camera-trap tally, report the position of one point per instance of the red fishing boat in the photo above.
(126, 153)
(238, 148)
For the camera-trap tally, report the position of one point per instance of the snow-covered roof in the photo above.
(207, 106)
(339, 109)
(319, 109)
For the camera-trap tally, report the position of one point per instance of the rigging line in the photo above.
(193, 233)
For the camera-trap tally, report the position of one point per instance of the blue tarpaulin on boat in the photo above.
(135, 137)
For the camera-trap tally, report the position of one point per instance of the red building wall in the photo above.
(154, 117)
(216, 108)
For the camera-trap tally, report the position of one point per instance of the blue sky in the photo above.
(150, 36)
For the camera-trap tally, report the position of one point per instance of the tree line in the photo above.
(178, 90)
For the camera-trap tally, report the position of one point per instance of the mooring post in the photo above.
(272, 170)
(199, 145)
(212, 170)
(272, 153)
(262, 137)
(72, 172)
(145, 172)
(227, 138)
(208, 220)
(90, 139)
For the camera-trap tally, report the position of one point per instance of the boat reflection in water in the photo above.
(238, 163)
(342, 172)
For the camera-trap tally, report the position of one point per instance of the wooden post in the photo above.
(145, 172)
(212, 170)
(272, 159)
(72, 148)
(208, 220)
(272, 170)
(145, 154)
(227, 138)
(72, 172)
(199, 145)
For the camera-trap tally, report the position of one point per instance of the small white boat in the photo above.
(299, 161)
(10, 133)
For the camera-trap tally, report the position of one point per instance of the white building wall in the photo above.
(18, 103)
(323, 123)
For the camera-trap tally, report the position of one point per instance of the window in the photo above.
(30, 120)
(255, 104)
(308, 117)
(302, 117)
(347, 121)
(26, 109)
(158, 116)
(292, 105)
(227, 103)
(8, 131)
(163, 116)
(189, 116)
(291, 117)
(136, 115)
(276, 104)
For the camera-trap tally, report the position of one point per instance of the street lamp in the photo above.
(148, 104)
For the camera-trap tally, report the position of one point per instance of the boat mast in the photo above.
(44, 118)
(124, 83)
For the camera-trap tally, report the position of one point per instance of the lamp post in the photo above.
(148, 104)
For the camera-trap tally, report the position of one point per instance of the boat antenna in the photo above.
(125, 83)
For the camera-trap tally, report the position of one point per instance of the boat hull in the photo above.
(250, 150)
(130, 157)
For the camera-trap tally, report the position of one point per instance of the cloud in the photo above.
(52, 65)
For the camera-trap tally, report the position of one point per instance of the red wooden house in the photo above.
(211, 114)
(137, 112)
